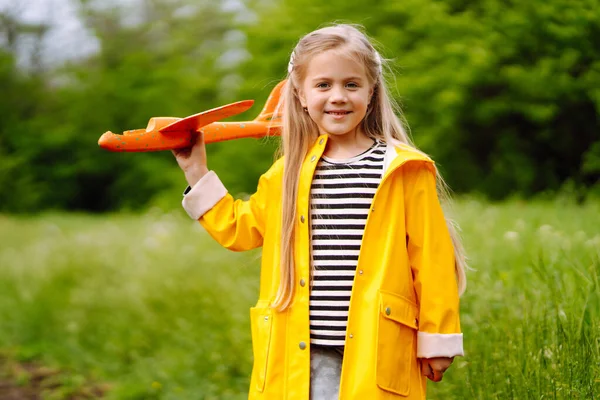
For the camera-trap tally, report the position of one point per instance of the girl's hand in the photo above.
(192, 160)
(434, 368)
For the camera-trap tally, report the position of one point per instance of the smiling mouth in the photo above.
(338, 112)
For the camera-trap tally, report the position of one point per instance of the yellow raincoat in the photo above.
(404, 302)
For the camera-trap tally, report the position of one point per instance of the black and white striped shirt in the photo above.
(341, 195)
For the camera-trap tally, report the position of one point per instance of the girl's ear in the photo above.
(371, 93)
(302, 98)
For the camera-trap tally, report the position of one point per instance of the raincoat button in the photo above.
(313, 158)
(302, 218)
(388, 311)
(351, 336)
(321, 141)
(302, 345)
(266, 318)
(360, 272)
(302, 282)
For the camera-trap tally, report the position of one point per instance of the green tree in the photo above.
(23, 98)
(503, 94)
(156, 59)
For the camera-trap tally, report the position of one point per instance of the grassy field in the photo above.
(149, 306)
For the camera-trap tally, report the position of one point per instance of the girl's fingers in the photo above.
(199, 144)
(430, 372)
(182, 154)
(195, 150)
(198, 138)
(426, 369)
(192, 159)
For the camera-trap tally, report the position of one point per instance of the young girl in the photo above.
(360, 273)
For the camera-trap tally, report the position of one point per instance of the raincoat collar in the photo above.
(396, 154)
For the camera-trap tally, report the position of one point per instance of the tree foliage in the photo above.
(504, 94)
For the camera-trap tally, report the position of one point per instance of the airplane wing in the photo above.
(195, 122)
(166, 133)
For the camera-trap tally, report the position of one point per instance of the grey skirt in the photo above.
(325, 372)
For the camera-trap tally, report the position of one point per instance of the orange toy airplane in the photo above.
(166, 133)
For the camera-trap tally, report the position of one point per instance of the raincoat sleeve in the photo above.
(236, 224)
(431, 256)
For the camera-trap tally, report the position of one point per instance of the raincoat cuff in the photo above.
(430, 345)
(207, 192)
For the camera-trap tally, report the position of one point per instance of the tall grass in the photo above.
(151, 304)
(530, 313)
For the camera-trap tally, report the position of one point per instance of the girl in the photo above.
(360, 273)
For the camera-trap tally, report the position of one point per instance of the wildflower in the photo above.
(511, 236)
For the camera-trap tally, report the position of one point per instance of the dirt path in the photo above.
(29, 381)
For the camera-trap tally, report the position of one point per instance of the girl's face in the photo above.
(336, 92)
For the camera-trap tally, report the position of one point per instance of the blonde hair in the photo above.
(299, 132)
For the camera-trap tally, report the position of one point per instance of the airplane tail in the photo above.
(268, 112)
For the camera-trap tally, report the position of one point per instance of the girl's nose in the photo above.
(338, 94)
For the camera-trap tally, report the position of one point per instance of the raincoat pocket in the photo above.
(260, 323)
(396, 350)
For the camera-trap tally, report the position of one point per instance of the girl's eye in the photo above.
(352, 85)
(322, 85)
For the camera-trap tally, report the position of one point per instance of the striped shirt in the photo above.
(341, 195)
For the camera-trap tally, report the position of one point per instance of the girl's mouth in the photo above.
(338, 113)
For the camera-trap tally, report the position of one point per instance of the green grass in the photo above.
(151, 305)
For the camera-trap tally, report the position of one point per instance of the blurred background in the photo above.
(505, 95)
(107, 289)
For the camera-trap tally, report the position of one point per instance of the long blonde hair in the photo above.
(299, 132)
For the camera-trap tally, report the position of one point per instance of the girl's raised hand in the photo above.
(192, 160)
(434, 368)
